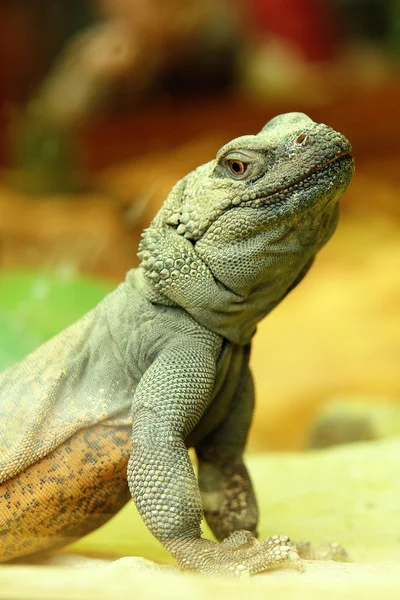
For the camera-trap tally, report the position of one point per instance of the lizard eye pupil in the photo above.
(237, 167)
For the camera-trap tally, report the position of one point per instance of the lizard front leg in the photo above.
(229, 502)
(169, 400)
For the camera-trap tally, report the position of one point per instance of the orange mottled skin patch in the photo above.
(67, 494)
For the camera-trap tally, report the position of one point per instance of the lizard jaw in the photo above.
(318, 169)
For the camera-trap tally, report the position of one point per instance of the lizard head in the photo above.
(256, 215)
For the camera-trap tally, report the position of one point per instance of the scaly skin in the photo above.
(167, 354)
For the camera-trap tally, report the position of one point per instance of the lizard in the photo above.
(107, 409)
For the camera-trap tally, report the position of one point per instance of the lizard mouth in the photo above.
(327, 171)
(342, 158)
(321, 174)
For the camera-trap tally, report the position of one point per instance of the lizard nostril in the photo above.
(302, 139)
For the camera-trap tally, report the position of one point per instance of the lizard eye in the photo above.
(237, 168)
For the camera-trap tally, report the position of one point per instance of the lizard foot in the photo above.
(256, 556)
(241, 554)
(329, 551)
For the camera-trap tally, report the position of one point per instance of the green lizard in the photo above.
(107, 409)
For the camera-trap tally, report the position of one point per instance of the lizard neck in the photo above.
(199, 279)
(237, 316)
(231, 315)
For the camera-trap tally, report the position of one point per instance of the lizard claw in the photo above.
(329, 551)
(239, 555)
(281, 550)
(247, 556)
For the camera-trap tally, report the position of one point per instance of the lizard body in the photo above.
(107, 409)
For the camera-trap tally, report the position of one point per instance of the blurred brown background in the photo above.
(104, 104)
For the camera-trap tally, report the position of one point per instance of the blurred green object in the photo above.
(14, 343)
(44, 158)
(348, 419)
(35, 306)
(394, 31)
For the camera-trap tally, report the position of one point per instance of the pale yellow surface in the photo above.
(325, 580)
(349, 494)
